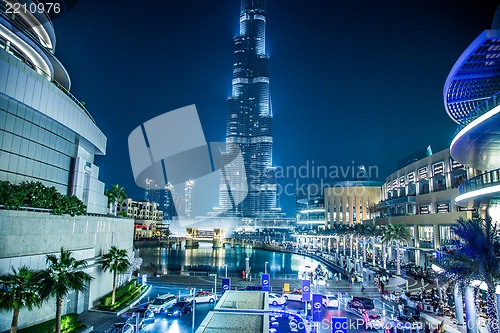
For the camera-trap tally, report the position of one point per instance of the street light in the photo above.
(265, 266)
(215, 284)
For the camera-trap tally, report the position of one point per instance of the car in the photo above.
(361, 303)
(293, 296)
(180, 308)
(251, 288)
(162, 303)
(202, 297)
(275, 299)
(146, 316)
(330, 301)
(407, 324)
(372, 319)
(121, 328)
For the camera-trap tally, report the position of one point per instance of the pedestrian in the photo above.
(401, 309)
(352, 280)
(243, 275)
(363, 288)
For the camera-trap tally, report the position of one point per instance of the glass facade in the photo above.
(35, 146)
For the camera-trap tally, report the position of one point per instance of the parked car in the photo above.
(330, 301)
(121, 328)
(293, 296)
(162, 302)
(361, 303)
(180, 308)
(253, 288)
(202, 297)
(372, 319)
(145, 315)
(276, 299)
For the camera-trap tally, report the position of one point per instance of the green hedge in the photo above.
(37, 195)
(124, 296)
(69, 324)
(120, 292)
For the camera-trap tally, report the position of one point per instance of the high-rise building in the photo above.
(188, 197)
(249, 123)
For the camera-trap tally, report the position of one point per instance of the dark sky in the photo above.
(352, 82)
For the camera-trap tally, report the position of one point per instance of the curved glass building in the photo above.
(472, 99)
(46, 134)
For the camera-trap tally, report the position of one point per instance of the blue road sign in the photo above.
(306, 290)
(339, 325)
(316, 307)
(226, 285)
(265, 282)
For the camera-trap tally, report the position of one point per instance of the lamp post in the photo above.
(215, 284)
(194, 309)
(225, 266)
(265, 267)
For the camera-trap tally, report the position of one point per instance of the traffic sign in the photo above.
(226, 284)
(306, 290)
(339, 325)
(265, 282)
(316, 307)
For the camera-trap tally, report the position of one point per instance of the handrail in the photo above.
(481, 109)
(483, 180)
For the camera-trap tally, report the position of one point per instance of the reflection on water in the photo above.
(207, 259)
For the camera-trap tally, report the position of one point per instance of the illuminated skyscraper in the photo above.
(188, 197)
(249, 122)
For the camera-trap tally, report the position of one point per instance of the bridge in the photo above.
(216, 236)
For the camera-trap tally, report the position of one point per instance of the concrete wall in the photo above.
(27, 237)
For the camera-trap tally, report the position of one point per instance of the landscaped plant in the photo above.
(64, 274)
(18, 291)
(37, 195)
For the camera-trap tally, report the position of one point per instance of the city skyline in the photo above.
(329, 64)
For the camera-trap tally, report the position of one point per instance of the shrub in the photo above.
(69, 324)
(128, 294)
(37, 195)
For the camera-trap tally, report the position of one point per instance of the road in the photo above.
(183, 324)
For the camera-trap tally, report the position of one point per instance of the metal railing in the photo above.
(481, 109)
(484, 180)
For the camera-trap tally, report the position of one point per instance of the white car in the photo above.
(330, 301)
(203, 297)
(275, 299)
(293, 296)
(121, 328)
(373, 319)
(162, 302)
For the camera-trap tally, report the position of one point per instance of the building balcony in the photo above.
(395, 202)
(478, 189)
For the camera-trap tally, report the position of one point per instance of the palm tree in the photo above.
(61, 276)
(477, 258)
(116, 260)
(116, 195)
(396, 233)
(18, 290)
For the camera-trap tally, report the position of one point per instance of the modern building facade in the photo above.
(46, 134)
(310, 212)
(472, 99)
(421, 195)
(350, 202)
(249, 123)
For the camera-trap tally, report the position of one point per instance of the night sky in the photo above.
(352, 82)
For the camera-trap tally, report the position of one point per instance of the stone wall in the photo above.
(27, 237)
